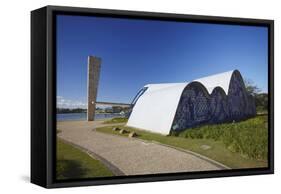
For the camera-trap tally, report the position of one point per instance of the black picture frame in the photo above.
(43, 95)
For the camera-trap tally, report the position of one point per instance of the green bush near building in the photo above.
(248, 138)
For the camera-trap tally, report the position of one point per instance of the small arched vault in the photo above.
(167, 107)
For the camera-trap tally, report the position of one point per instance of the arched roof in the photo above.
(156, 107)
(218, 80)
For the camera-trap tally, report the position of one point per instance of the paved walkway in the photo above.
(130, 156)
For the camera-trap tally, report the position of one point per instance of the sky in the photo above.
(137, 52)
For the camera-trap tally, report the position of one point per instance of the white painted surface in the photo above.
(211, 82)
(15, 39)
(156, 108)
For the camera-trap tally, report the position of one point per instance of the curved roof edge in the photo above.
(222, 80)
(156, 108)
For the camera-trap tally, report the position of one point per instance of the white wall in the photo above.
(15, 89)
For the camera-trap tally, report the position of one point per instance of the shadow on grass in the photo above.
(69, 169)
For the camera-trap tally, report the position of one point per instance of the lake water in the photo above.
(83, 116)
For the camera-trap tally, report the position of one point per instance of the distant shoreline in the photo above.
(86, 112)
(94, 121)
(83, 116)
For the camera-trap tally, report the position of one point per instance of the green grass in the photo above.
(248, 138)
(218, 150)
(116, 120)
(73, 163)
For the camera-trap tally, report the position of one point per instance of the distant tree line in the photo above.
(68, 110)
(113, 109)
(261, 99)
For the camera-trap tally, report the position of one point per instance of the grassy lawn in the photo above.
(73, 163)
(248, 138)
(116, 120)
(217, 147)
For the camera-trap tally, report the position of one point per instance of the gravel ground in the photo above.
(131, 156)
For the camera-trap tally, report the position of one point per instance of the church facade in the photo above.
(168, 107)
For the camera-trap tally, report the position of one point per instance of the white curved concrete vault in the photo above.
(167, 107)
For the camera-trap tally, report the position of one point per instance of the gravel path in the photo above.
(130, 156)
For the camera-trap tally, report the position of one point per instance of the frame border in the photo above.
(52, 11)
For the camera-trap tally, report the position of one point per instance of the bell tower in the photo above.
(94, 64)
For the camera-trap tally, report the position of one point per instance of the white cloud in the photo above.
(68, 103)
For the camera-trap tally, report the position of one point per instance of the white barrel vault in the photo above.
(155, 109)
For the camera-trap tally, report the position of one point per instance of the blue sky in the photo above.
(138, 52)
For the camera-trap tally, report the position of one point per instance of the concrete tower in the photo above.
(94, 64)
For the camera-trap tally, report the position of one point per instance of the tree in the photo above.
(261, 102)
(251, 87)
(261, 99)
